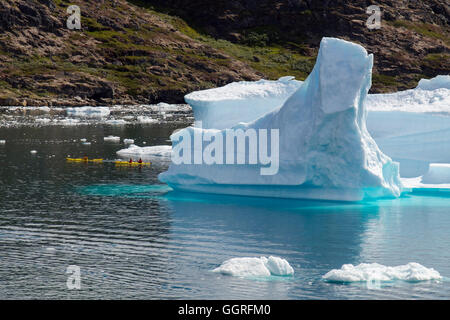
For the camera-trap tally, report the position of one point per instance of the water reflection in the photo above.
(134, 238)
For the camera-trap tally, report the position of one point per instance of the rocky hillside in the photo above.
(138, 51)
(122, 54)
(413, 42)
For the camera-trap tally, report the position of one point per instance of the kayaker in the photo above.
(85, 158)
(131, 160)
(140, 160)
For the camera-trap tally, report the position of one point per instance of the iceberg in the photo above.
(255, 267)
(324, 150)
(411, 126)
(242, 101)
(412, 272)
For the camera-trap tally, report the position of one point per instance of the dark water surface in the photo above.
(132, 239)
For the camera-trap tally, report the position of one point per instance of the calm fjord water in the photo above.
(135, 240)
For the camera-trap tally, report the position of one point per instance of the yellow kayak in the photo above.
(119, 163)
(84, 160)
(127, 163)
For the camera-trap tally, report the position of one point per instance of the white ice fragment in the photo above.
(128, 141)
(88, 112)
(83, 140)
(146, 152)
(377, 272)
(33, 151)
(43, 120)
(117, 122)
(147, 120)
(255, 267)
(112, 138)
(2, 141)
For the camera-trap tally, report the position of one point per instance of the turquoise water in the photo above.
(134, 238)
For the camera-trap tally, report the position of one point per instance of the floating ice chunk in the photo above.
(146, 152)
(33, 151)
(278, 266)
(68, 122)
(128, 141)
(255, 267)
(43, 120)
(2, 141)
(144, 119)
(435, 83)
(83, 140)
(240, 101)
(377, 272)
(117, 122)
(325, 150)
(112, 139)
(86, 143)
(88, 112)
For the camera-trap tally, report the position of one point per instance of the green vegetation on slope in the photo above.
(258, 48)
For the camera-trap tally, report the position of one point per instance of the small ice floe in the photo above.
(146, 152)
(144, 119)
(363, 272)
(86, 143)
(33, 151)
(128, 141)
(88, 112)
(68, 122)
(83, 140)
(42, 120)
(118, 122)
(255, 267)
(112, 139)
(2, 141)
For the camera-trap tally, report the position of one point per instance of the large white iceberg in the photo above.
(412, 126)
(325, 150)
(363, 272)
(242, 101)
(255, 267)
